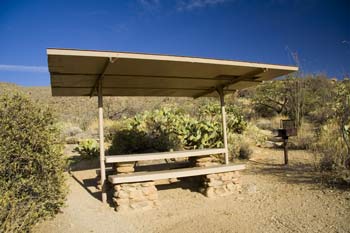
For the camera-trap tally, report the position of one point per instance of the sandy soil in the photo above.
(275, 198)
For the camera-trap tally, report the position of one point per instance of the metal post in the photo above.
(102, 149)
(223, 114)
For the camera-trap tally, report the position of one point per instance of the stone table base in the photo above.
(221, 184)
(133, 196)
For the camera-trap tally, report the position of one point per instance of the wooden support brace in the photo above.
(251, 76)
(220, 90)
(101, 76)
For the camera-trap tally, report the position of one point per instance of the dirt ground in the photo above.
(275, 198)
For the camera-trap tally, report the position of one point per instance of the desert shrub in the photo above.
(133, 141)
(342, 117)
(234, 144)
(333, 144)
(309, 97)
(234, 117)
(265, 127)
(72, 140)
(70, 130)
(263, 111)
(245, 107)
(336, 178)
(319, 97)
(246, 93)
(88, 148)
(239, 146)
(109, 128)
(331, 147)
(70, 133)
(245, 151)
(270, 98)
(263, 123)
(31, 164)
(258, 136)
(305, 138)
(334, 138)
(166, 129)
(150, 131)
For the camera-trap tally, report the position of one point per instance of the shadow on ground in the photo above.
(298, 171)
(86, 174)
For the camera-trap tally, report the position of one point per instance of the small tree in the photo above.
(319, 98)
(270, 98)
(31, 164)
(342, 107)
(307, 97)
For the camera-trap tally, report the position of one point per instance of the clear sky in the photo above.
(271, 31)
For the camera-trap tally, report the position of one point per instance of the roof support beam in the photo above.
(101, 137)
(100, 77)
(223, 116)
(250, 76)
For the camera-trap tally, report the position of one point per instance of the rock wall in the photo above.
(135, 196)
(221, 184)
(141, 195)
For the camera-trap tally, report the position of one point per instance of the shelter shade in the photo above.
(75, 73)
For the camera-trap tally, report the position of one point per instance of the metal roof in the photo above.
(76, 73)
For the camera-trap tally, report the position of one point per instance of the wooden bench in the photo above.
(162, 155)
(167, 174)
(176, 173)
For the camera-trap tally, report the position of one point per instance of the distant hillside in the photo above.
(81, 111)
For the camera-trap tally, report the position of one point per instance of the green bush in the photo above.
(147, 132)
(134, 141)
(88, 148)
(31, 164)
(166, 129)
(234, 117)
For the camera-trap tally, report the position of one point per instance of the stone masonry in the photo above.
(205, 161)
(130, 196)
(143, 195)
(219, 184)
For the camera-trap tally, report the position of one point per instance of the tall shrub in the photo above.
(31, 164)
(334, 140)
(342, 106)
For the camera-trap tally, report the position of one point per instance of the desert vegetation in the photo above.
(320, 108)
(318, 105)
(31, 163)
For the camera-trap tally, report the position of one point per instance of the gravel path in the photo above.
(275, 198)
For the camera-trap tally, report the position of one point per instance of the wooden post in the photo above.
(223, 114)
(102, 148)
(285, 147)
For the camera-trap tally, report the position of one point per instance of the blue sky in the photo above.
(271, 31)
